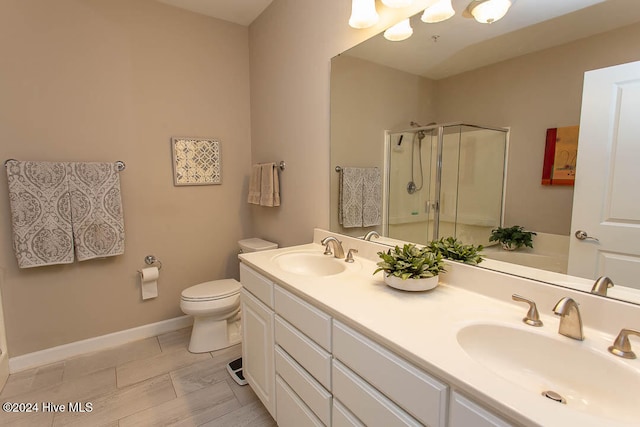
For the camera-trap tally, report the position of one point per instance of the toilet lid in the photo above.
(214, 289)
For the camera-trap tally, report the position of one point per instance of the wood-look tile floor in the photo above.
(151, 382)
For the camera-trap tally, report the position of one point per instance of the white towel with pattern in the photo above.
(359, 197)
(40, 213)
(96, 207)
(371, 197)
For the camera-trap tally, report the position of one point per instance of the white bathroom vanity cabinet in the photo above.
(327, 342)
(310, 369)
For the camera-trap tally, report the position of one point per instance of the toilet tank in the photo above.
(254, 245)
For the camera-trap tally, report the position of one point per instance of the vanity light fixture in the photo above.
(487, 11)
(397, 3)
(401, 31)
(363, 14)
(438, 12)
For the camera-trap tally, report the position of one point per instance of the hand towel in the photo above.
(40, 213)
(96, 210)
(254, 185)
(350, 197)
(269, 185)
(371, 197)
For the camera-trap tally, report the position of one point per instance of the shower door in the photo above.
(445, 181)
(472, 182)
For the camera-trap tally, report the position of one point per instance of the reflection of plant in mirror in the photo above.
(453, 249)
(410, 262)
(512, 237)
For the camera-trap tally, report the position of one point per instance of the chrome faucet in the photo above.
(532, 318)
(371, 234)
(621, 346)
(338, 251)
(601, 285)
(570, 319)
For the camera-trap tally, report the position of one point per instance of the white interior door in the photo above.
(606, 202)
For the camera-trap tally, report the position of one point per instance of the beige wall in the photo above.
(103, 80)
(530, 94)
(366, 100)
(291, 45)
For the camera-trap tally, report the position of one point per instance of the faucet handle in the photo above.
(621, 345)
(349, 257)
(532, 318)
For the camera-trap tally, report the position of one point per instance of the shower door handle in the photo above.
(428, 205)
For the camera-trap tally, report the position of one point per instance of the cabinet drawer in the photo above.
(366, 403)
(342, 417)
(290, 410)
(308, 354)
(467, 413)
(309, 390)
(257, 284)
(416, 392)
(306, 318)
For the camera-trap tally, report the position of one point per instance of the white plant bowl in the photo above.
(412, 285)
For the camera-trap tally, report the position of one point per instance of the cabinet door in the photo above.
(258, 349)
(465, 413)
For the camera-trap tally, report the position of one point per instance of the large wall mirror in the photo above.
(522, 75)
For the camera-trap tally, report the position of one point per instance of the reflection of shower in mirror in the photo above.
(411, 186)
(455, 174)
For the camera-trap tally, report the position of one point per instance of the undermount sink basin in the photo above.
(588, 381)
(310, 264)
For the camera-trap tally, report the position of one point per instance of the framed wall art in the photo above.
(560, 153)
(196, 161)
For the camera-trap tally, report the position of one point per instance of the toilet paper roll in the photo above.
(149, 282)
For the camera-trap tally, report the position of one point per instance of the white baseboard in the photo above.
(62, 352)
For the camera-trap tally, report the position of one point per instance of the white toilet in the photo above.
(215, 307)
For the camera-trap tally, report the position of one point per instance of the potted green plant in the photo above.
(512, 237)
(453, 249)
(410, 268)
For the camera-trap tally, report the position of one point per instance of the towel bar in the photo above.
(339, 168)
(120, 165)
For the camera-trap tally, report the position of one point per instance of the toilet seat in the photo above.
(213, 290)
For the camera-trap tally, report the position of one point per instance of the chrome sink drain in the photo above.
(550, 394)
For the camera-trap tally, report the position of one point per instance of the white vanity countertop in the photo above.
(422, 327)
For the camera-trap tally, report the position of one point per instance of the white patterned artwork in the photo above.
(196, 161)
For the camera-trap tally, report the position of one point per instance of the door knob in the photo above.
(582, 235)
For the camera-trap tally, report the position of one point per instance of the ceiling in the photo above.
(241, 12)
(463, 44)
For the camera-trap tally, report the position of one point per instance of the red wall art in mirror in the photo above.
(560, 154)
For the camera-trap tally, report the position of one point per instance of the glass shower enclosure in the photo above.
(444, 180)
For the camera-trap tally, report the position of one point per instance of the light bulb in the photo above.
(397, 3)
(490, 11)
(363, 14)
(438, 12)
(401, 31)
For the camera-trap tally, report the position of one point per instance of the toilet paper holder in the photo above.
(152, 260)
